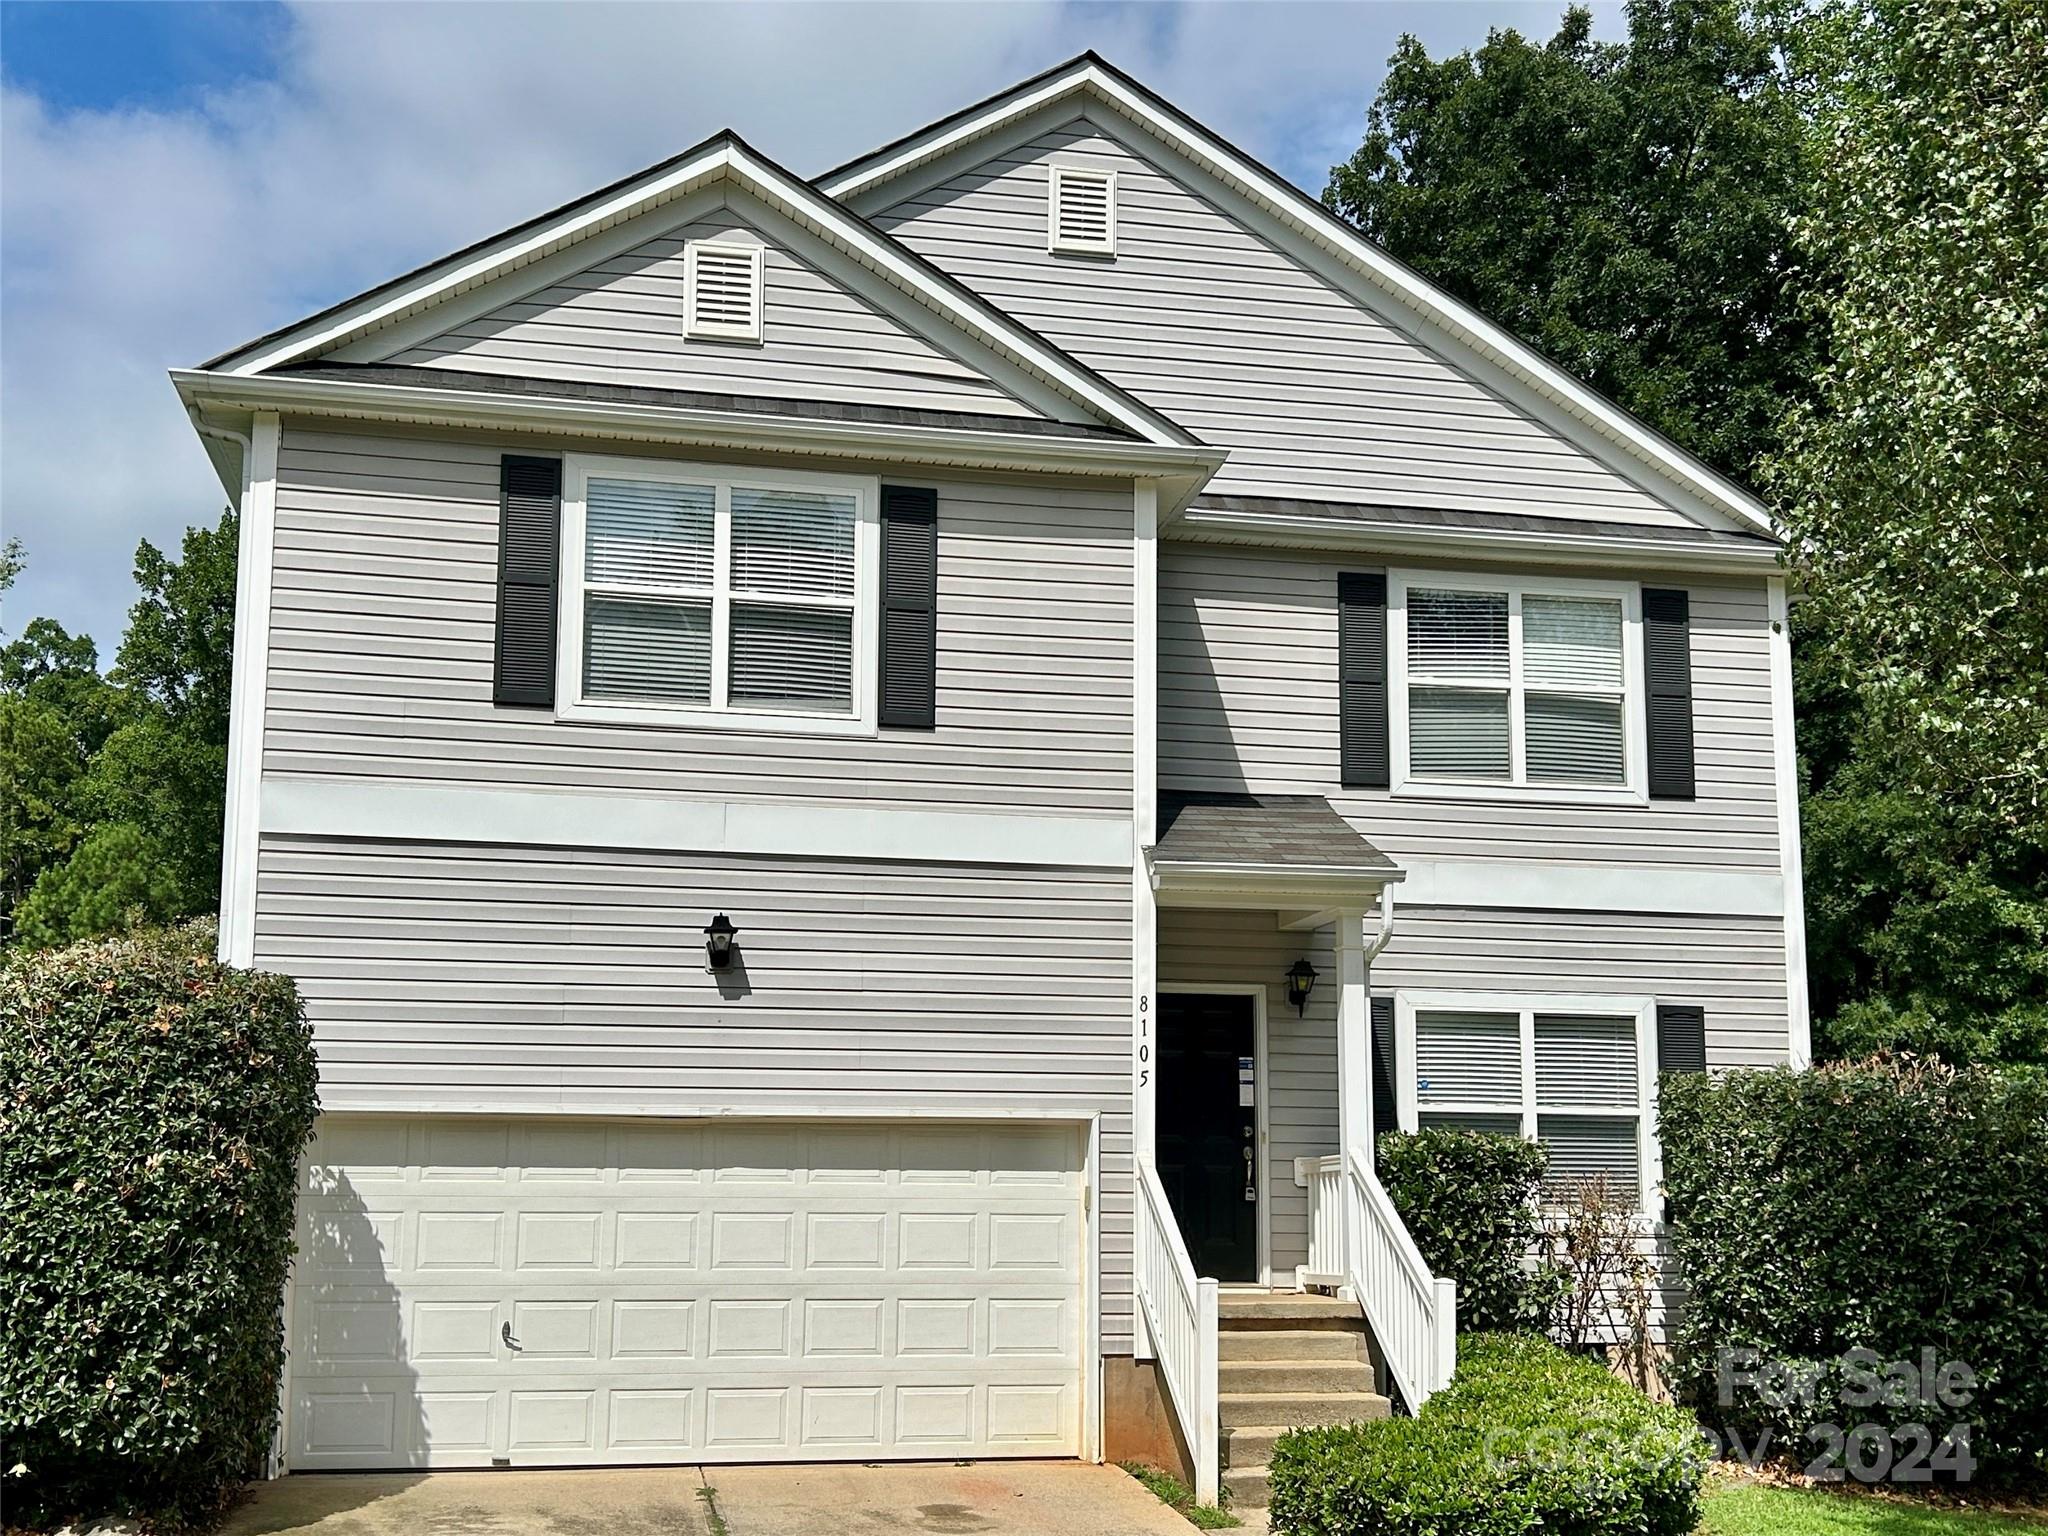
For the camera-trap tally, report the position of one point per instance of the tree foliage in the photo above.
(1624, 207)
(111, 785)
(1916, 483)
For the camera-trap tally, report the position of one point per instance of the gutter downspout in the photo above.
(227, 435)
(1379, 940)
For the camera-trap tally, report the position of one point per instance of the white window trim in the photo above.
(577, 470)
(1061, 174)
(1526, 1005)
(695, 329)
(1634, 788)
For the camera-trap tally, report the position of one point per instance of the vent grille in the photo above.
(1083, 212)
(722, 290)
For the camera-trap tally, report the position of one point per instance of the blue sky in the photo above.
(178, 177)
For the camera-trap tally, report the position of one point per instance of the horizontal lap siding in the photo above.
(621, 322)
(1248, 700)
(381, 642)
(573, 982)
(1314, 395)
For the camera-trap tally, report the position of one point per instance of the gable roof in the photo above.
(1571, 405)
(723, 156)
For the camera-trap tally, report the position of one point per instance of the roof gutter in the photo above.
(299, 395)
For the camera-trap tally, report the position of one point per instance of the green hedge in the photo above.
(1888, 1206)
(1470, 1200)
(155, 1107)
(1526, 1438)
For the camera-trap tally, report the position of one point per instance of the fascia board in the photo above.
(663, 424)
(1604, 550)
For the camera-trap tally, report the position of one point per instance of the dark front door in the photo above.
(1208, 1130)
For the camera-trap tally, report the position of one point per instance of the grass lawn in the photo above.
(1742, 1509)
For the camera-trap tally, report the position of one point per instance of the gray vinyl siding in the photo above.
(621, 322)
(566, 981)
(1735, 966)
(381, 645)
(1314, 394)
(1248, 701)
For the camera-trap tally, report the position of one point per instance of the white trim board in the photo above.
(300, 807)
(1298, 225)
(1531, 885)
(1785, 763)
(257, 507)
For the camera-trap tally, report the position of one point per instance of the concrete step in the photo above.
(1298, 1410)
(1294, 1376)
(1248, 1489)
(1250, 1445)
(1245, 1310)
(1291, 1344)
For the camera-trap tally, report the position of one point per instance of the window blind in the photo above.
(1585, 1062)
(1468, 1058)
(1582, 1146)
(648, 533)
(636, 648)
(792, 658)
(794, 542)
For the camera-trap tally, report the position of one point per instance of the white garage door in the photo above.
(566, 1292)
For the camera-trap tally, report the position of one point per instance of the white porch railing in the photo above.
(1179, 1314)
(1355, 1232)
(1325, 1221)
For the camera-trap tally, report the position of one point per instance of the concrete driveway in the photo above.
(1015, 1498)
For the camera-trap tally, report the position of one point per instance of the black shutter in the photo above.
(529, 544)
(1667, 672)
(1681, 1037)
(910, 606)
(1362, 680)
(1385, 1117)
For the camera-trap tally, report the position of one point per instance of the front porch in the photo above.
(1276, 1286)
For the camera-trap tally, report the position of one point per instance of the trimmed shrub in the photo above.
(1527, 1437)
(1889, 1206)
(155, 1107)
(1470, 1200)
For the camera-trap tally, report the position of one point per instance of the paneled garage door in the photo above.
(565, 1292)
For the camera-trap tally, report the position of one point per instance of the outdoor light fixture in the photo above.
(718, 937)
(1301, 980)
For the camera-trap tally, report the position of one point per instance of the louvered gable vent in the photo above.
(722, 290)
(1083, 213)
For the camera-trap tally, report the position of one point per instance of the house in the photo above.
(873, 785)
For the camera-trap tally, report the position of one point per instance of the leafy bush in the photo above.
(1469, 1199)
(153, 1106)
(1527, 1437)
(1892, 1206)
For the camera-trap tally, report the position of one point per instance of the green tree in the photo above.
(113, 785)
(1624, 207)
(1915, 484)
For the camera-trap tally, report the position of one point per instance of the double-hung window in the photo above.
(1572, 1072)
(1524, 685)
(717, 596)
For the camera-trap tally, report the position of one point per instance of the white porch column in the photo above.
(1354, 1038)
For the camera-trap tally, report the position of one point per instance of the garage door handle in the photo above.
(505, 1333)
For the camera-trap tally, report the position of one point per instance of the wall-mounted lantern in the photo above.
(718, 936)
(1301, 980)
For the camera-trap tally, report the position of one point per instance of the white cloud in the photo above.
(136, 241)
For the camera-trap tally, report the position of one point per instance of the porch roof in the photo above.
(1272, 843)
